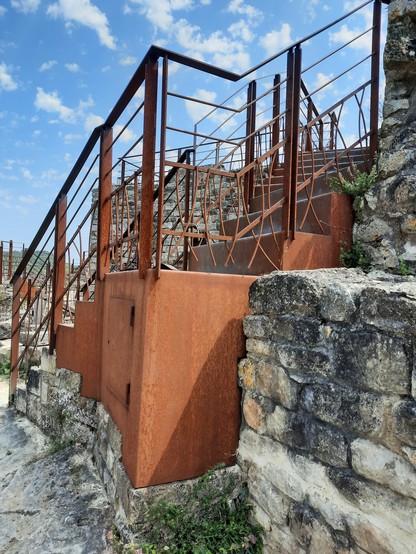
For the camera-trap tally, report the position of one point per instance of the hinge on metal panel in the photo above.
(132, 310)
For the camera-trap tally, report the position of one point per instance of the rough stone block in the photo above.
(377, 463)
(273, 503)
(20, 400)
(48, 361)
(372, 361)
(404, 421)
(300, 359)
(300, 430)
(338, 302)
(254, 413)
(114, 437)
(283, 292)
(69, 380)
(247, 373)
(255, 326)
(294, 328)
(378, 520)
(33, 382)
(44, 392)
(33, 410)
(274, 382)
(390, 310)
(354, 410)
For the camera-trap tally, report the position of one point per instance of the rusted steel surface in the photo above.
(104, 203)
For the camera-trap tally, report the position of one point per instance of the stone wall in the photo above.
(328, 441)
(388, 222)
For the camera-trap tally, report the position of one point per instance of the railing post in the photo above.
(148, 169)
(186, 212)
(10, 269)
(308, 146)
(58, 277)
(250, 143)
(104, 203)
(297, 68)
(1, 263)
(276, 117)
(287, 160)
(161, 193)
(14, 354)
(375, 79)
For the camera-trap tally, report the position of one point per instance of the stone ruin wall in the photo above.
(387, 227)
(328, 441)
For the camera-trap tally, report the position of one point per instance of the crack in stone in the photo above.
(21, 512)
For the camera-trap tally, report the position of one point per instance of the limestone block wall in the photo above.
(328, 440)
(387, 226)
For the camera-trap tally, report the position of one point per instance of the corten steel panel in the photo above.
(116, 357)
(184, 411)
(79, 347)
(311, 251)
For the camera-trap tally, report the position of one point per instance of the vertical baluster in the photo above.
(104, 203)
(58, 276)
(14, 354)
(148, 173)
(161, 195)
(375, 80)
(250, 142)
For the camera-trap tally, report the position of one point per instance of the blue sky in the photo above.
(64, 64)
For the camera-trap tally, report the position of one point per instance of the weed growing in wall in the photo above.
(206, 522)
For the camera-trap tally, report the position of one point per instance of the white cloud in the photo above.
(92, 121)
(28, 199)
(239, 7)
(25, 6)
(26, 173)
(3, 10)
(70, 137)
(47, 65)
(346, 34)
(276, 40)
(322, 79)
(159, 12)
(126, 136)
(128, 60)
(84, 13)
(241, 29)
(225, 51)
(197, 111)
(6, 80)
(205, 2)
(72, 67)
(50, 102)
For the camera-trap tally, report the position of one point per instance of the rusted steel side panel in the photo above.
(78, 346)
(184, 406)
(375, 79)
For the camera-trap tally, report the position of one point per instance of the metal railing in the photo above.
(145, 205)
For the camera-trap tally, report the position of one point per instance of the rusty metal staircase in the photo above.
(244, 191)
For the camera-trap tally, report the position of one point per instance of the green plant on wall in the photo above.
(5, 367)
(356, 187)
(204, 523)
(355, 257)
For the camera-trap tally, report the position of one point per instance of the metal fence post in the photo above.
(14, 354)
(10, 269)
(375, 80)
(250, 142)
(148, 168)
(58, 278)
(104, 203)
